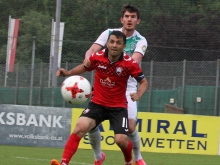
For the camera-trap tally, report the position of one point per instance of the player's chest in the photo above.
(113, 70)
(131, 45)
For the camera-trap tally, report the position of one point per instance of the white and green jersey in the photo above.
(135, 43)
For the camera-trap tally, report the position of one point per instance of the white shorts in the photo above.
(132, 107)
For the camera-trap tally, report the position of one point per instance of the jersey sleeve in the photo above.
(136, 71)
(141, 46)
(102, 39)
(91, 58)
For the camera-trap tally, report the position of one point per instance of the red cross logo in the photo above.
(74, 90)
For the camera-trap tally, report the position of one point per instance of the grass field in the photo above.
(14, 155)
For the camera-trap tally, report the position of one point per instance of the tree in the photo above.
(34, 24)
(189, 24)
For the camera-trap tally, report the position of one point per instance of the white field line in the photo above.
(49, 160)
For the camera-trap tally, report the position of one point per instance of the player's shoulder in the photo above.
(114, 29)
(99, 53)
(107, 32)
(137, 34)
(128, 59)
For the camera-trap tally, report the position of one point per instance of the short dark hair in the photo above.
(118, 34)
(130, 9)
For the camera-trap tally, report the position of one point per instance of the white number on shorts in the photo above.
(125, 123)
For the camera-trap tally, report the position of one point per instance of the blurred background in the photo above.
(181, 62)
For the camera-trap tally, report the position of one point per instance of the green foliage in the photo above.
(35, 23)
(172, 23)
(38, 25)
(3, 49)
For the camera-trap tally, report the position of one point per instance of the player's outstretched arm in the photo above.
(140, 91)
(75, 71)
(61, 72)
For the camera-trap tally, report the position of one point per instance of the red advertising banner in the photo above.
(12, 43)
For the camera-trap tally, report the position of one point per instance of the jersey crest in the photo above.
(119, 70)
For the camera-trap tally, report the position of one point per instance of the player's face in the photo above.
(115, 46)
(130, 20)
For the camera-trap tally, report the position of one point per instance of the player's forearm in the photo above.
(89, 53)
(94, 48)
(91, 50)
(137, 57)
(142, 87)
(77, 70)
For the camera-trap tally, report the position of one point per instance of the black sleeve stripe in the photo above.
(140, 77)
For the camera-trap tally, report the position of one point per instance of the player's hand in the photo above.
(87, 62)
(134, 96)
(62, 72)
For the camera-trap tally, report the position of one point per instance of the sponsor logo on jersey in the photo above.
(107, 82)
(132, 46)
(107, 79)
(119, 70)
(103, 67)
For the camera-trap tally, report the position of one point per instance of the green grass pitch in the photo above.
(15, 155)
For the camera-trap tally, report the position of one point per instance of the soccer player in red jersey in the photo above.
(112, 69)
(136, 46)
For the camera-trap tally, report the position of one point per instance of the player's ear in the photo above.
(138, 21)
(121, 19)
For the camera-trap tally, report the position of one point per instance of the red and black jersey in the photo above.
(111, 78)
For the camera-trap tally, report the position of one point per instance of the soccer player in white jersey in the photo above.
(136, 46)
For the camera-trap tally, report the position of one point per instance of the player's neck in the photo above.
(128, 33)
(112, 59)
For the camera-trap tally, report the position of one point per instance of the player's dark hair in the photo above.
(130, 9)
(118, 34)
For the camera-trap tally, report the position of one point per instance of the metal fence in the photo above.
(173, 74)
(161, 75)
(183, 82)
